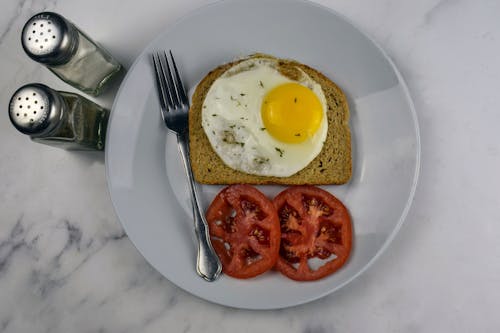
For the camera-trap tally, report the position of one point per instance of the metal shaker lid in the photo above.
(35, 109)
(49, 38)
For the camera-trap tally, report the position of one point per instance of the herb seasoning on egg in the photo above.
(280, 151)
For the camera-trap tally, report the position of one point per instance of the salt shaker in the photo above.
(50, 39)
(58, 118)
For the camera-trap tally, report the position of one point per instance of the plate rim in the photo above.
(408, 100)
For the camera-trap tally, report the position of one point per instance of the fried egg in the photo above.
(261, 122)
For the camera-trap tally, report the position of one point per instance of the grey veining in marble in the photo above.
(67, 266)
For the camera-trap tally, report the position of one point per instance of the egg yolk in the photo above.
(291, 113)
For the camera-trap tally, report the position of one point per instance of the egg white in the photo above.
(231, 119)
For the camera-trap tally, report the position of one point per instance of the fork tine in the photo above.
(178, 82)
(160, 84)
(169, 79)
(166, 79)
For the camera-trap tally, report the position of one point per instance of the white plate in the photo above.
(144, 172)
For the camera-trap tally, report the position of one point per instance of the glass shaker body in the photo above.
(50, 39)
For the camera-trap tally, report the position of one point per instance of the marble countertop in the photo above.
(67, 266)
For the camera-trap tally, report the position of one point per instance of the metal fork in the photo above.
(174, 111)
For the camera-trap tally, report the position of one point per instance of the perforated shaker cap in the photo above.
(49, 38)
(36, 109)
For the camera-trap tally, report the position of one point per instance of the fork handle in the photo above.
(208, 265)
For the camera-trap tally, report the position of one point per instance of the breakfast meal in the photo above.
(264, 120)
(305, 232)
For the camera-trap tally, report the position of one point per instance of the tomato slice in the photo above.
(244, 230)
(315, 231)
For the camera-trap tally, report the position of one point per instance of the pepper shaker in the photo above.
(52, 40)
(58, 118)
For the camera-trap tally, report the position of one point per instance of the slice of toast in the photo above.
(333, 165)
